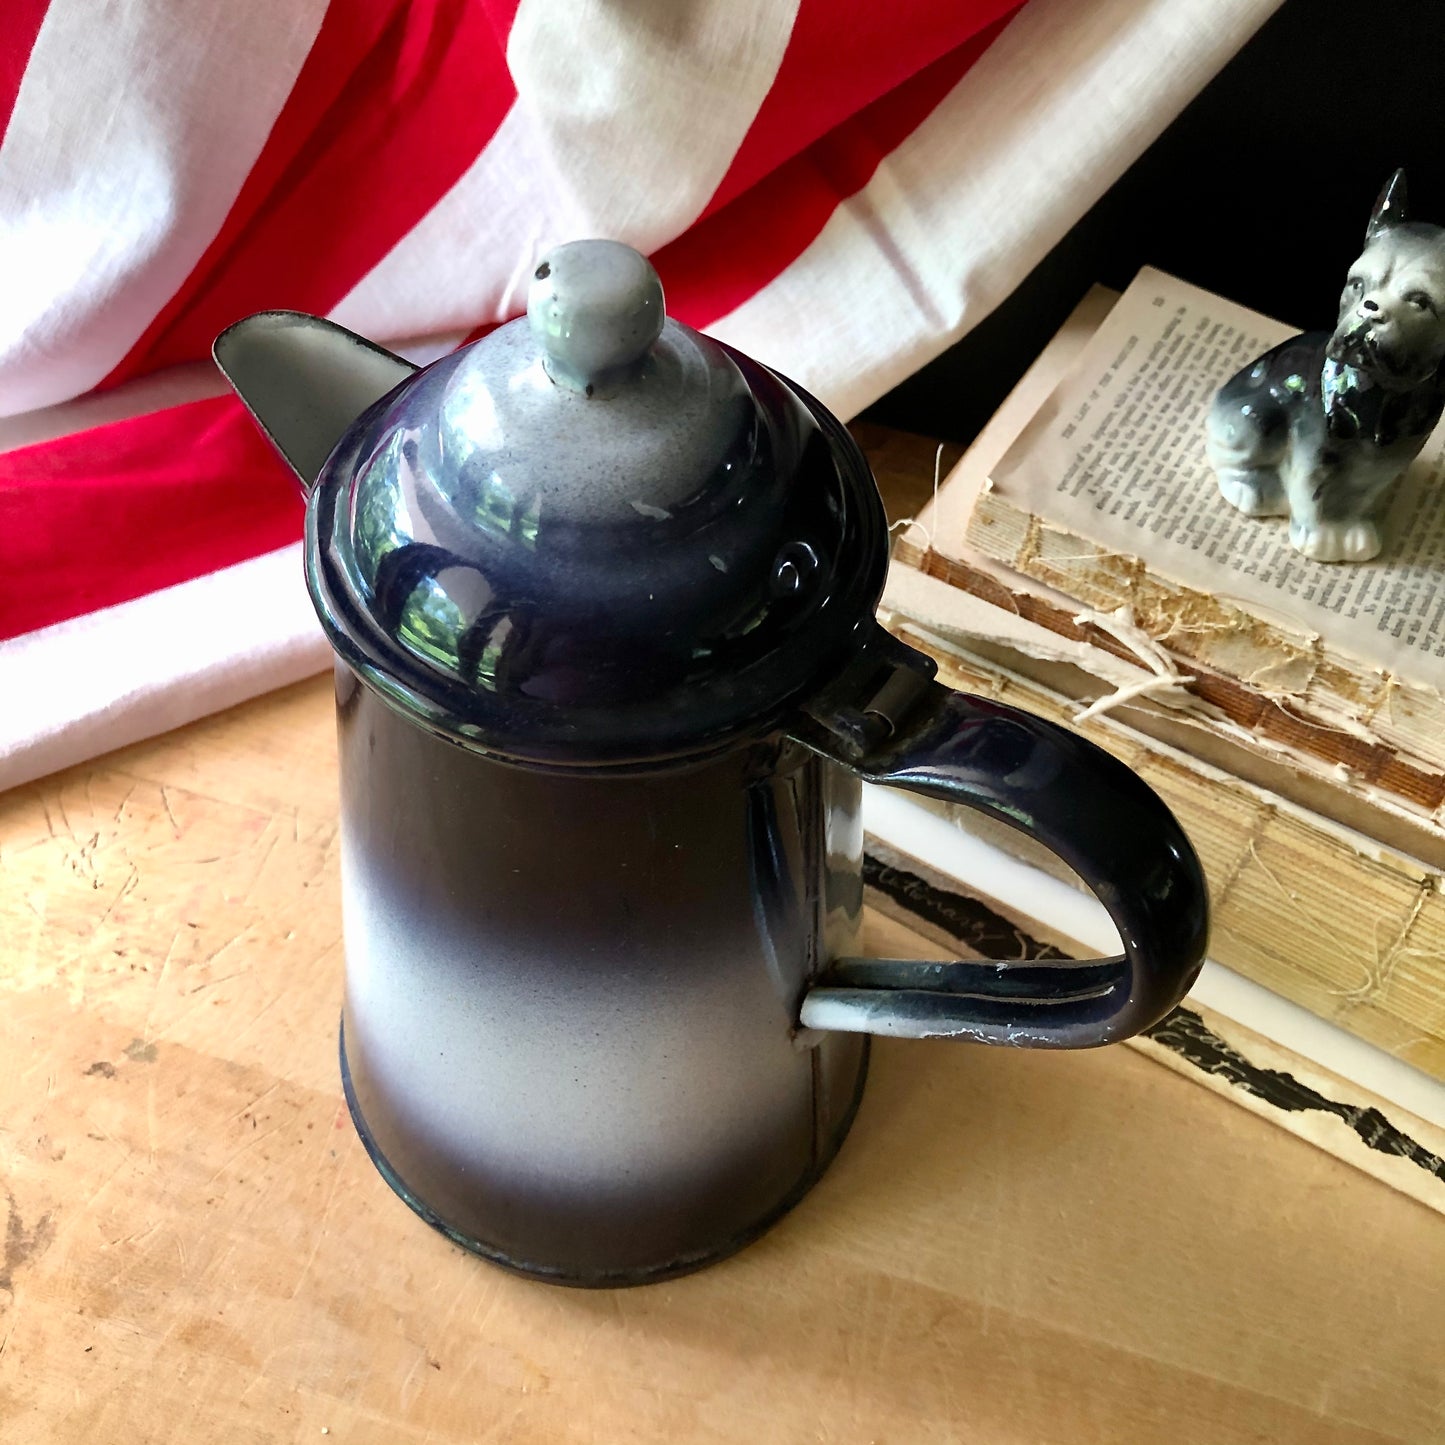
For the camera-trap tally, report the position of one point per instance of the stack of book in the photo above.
(1079, 562)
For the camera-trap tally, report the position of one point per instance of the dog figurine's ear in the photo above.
(1389, 209)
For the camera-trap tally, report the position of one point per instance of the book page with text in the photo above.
(1116, 456)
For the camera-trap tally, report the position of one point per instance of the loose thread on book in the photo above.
(1383, 704)
(1294, 904)
(927, 531)
(1165, 676)
(1377, 979)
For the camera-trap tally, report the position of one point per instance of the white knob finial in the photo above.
(597, 308)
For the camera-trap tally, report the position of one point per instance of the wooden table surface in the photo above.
(1012, 1247)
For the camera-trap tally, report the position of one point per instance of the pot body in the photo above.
(570, 1031)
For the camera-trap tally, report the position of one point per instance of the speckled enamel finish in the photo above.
(571, 1003)
(602, 593)
(657, 554)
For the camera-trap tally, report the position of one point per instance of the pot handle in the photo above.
(887, 721)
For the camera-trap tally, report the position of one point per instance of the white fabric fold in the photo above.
(113, 677)
(1047, 119)
(134, 129)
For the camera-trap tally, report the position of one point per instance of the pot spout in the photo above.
(305, 380)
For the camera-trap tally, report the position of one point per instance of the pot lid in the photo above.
(596, 535)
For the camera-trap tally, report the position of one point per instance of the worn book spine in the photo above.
(1354, 778)
(1347, 927)
(1272, 658)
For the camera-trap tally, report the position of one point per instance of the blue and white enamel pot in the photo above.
(609, 680)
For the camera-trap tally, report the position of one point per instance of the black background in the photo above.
(1259, 191)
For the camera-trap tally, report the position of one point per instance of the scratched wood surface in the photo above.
(1011, 1247)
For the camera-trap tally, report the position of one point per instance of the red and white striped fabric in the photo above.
(837, 187)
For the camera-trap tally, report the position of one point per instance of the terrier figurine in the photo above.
(1320, 428)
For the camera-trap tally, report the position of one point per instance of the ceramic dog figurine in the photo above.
(1320, 428)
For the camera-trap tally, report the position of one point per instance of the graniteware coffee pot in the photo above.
(602, 595)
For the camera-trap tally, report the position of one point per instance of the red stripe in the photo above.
(732, 254)
(119, 511)
(842, 56)
(395, 101)
(17, 40)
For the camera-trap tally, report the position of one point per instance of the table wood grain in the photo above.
(1012, 1247)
